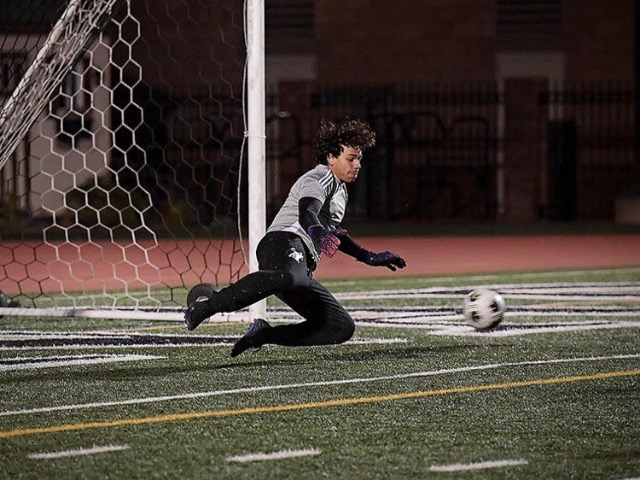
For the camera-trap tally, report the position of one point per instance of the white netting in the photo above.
(68, 38)
(124, 189)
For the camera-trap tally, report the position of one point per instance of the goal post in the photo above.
(257, 135)
(122, 183)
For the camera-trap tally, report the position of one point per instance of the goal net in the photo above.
(122, 138)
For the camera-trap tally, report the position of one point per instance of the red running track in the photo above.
(462, 255)
(35, 267)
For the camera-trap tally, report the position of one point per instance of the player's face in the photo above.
(346, 165)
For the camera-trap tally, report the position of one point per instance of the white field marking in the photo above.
(514, 331)
(215, 393)
(37, 363)
(571, 289)
(42, 336)
(492, 276)
(176, 313)
(392, 317)
(555, 312)
(169, 315)
(557, 291)
(413, 294)
(84, 346)
(536, 274)
(376, 341)
(103, 334)
(259, 457)
(78, 452)
(444, 320)
(463, 467)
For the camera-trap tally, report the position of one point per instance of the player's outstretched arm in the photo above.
(387, 259)
(383, 259)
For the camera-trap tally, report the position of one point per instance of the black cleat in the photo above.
(200, 305)
(198, 312)
(201, 290)
(251, 338)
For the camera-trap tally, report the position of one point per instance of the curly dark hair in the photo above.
(332, 137)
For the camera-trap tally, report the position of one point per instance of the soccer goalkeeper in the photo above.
(306, 226)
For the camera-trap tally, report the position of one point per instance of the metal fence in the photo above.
(440, 149)
(436, 151)
(590, 148)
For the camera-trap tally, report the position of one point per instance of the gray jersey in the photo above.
(319, 183)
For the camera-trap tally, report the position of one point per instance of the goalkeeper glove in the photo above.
(382, 259)
(325, 239)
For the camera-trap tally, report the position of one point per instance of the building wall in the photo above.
(601, 39)
(189, 48)
(404, 40)
(363, 41)
(439, 40)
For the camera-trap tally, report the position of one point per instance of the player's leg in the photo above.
(282, 260)
(326, 321)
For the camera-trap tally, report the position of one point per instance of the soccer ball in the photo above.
(483, 308)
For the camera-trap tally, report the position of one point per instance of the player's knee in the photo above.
(287, 279)
(345, 329)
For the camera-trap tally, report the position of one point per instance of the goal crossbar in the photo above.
(69, 37)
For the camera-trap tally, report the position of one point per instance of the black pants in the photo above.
(285, 270)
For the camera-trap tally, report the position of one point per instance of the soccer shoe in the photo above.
(199, 310)
(250, 339)
(201, 290)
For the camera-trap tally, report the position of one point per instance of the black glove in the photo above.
(326, 239)
(382, 259)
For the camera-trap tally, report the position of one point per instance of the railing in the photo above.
(591, 143)
(440, 152)
(436, 156)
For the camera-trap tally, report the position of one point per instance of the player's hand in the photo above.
(326, 240)
(383, 259)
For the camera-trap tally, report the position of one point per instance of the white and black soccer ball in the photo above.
(483, 308)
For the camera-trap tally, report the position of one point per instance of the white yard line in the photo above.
(86, 346)
(90, 346)
(541, 274)
(38, 363)
(284, 454)
(619, 291)
(351, 381)
(488, 277)
(78, 452)
(464, 467)
(518, 330)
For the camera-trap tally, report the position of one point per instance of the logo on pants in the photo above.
(296, 255)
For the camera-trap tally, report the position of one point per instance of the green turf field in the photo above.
(553, 393)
